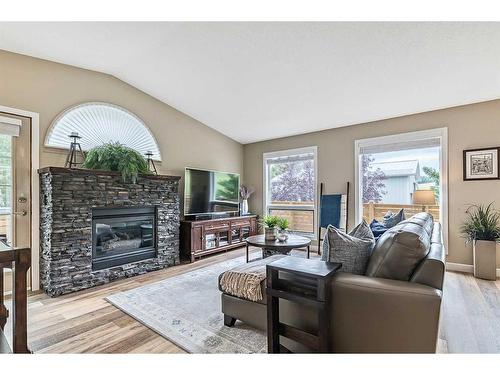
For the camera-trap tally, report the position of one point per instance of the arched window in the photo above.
(99, 123)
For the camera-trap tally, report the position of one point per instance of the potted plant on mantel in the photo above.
(119, 158)
(482, 229)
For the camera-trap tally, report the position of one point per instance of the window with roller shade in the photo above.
(401, 172)
(290, 187)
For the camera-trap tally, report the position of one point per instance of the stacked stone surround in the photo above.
(66, 202)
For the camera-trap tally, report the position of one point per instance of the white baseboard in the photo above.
(460, 267)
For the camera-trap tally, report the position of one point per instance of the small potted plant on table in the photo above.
(283, 225)
(270, 222)
(482, 229)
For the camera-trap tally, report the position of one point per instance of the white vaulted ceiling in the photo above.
(256, 81)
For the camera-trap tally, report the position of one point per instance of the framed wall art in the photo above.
(481, 164)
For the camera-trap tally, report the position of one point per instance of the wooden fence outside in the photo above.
(378, 210)
(303, 221)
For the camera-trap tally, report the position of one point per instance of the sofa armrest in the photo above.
(379, 315)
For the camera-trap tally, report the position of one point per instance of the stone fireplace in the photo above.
(94, 228)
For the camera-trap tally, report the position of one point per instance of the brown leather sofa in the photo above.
(393, 308)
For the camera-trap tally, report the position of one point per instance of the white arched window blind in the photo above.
(99, 123)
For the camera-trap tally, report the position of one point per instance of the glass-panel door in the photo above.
(245, 232)
(210, 241)
(15, 184)
(235, 235)
(5, 190)
(224, 238)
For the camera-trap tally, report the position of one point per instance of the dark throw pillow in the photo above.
(391, 219)
(377, 228)
(353, 250)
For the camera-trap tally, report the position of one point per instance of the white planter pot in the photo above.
(270, 234)
(244, 206)
(485, 259)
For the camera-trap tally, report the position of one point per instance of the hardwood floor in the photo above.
(84, 322)
(470, 314)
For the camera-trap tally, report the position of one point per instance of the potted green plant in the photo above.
(482, 229)
(270, 223)
(117, 157)
(283, 225)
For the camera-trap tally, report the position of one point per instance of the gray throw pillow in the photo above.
(353, 250)
(391, 219)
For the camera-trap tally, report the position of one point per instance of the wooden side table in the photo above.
(313, 290)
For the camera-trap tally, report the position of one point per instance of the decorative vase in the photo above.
(270, 234)
(244, 207)
(485, 260)
(282, 235)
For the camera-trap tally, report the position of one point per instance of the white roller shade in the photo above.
(399, 146)
(10, 126)
(290, 158)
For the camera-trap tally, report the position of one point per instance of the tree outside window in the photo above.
(373, 181)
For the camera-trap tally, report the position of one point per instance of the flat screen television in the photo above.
(210, 192)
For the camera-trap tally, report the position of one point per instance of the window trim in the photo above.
(265, 178)
(442, 134)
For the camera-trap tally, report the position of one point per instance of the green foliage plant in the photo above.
(270, 221)
(283, 223)
(432, 175)
(482, 223)
(119, 158)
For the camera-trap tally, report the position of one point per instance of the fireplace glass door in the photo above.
(122, 235)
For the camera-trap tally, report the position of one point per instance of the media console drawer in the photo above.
(217, 226)
(241, 223)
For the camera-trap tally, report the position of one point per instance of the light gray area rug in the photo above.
(186, 310)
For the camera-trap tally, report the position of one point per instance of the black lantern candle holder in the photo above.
(151, 163)
(75, 152)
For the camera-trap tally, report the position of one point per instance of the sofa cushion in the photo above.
(352, 250)
(391, 219)
(399, 250)
(424, 219)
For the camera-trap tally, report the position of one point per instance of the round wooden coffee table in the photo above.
(277, 247)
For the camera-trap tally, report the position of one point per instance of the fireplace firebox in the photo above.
(122, 235)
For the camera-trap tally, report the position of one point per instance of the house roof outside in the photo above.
(399, 168)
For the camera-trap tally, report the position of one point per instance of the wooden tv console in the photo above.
(203, 237)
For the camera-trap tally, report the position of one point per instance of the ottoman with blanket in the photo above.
(393, 307)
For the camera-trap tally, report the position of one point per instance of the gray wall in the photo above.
(48, 88)
(471, 126)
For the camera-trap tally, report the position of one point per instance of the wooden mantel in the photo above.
(87, 172)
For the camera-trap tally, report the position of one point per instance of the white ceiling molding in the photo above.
(99, 123)
(264, 80)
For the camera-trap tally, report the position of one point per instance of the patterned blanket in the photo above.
(244, 281)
